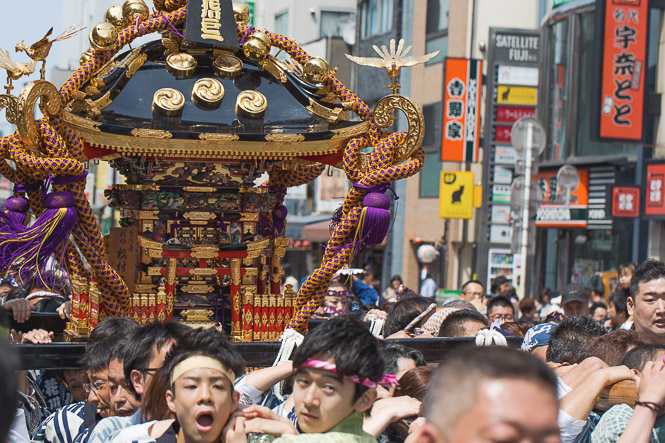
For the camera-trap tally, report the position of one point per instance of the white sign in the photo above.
(517, 75)
(501, 234)
(500, 214)
(505, 155)
(502, 175)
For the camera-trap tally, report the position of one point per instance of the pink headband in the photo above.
(385, 380)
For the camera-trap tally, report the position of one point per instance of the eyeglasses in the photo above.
(95, 386)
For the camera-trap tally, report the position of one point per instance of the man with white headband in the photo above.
(200, 370)
(337, 370)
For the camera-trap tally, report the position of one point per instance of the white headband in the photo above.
(200, 362)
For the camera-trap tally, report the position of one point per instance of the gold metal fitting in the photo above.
(103, 36)
(208, 92)
(85, 56)
(316, 70)
(168, 101)
(227, 66)
(257, 46)
(115, 17)
(241, 13)
(251, 104)
(181, 65)
(135, 8)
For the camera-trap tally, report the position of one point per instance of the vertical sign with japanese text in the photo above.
(654, 200)
(461, 107)
(624, 48)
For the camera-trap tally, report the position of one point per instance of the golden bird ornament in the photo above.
(392, 60)
(39, 50)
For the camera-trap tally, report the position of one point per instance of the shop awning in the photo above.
(317, 232)
(296, 224)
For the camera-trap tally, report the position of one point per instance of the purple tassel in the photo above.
(27, 253)
(15, 215)
(336, 219)
(374, 220)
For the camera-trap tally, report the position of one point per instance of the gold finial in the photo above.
(392, 61)
(115, 17)
(132, 9)
(39, 50)
(103, 36)
(257, 46)
(241, 13)
(316, 70)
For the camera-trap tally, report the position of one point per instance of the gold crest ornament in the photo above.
(169, 102)
(251, 104)
(227, 66)
(181, 65)
(208, 92)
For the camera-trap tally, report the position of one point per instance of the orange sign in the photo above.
(461, 108)
(554, 212)
(623, 69)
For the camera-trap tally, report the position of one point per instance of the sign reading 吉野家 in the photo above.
(625, 201)
(211, 22)
(654, 200)
(461, 107)
(623, 68)
(456, 194)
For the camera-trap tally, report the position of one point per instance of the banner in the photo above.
(555, 213)
(624, 46)
(461, 107)
(654, 201)
(456, 194)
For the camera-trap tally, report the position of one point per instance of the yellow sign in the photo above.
(477, 196)
(517, 95)
(456, 194)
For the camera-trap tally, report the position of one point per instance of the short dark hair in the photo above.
(207, 342)
(637, 357)
(8, 387)
(453, 325)
(459, 304)
(499, 300)
(497, 282)
(392, 352)
(349, 343)
(403, 312)
(454, 387)
(141, 344)
(650, 270)
(612, 346)
(111, 328)
(592, 309)
(570, 341)
(465, 285)
(620, 300)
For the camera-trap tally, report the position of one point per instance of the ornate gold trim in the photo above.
(285, 138)
(202, 271)
(197, 289)
(204, 254)
(149, 215)
(135, 64)
(274, 68)
(249, 216)
(219, 137)
(198, 189)
(51, 103)
(213, 146)
(199, 215)
(181, 64)
(151, 133)
(332, 115)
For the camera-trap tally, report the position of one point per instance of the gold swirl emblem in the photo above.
(181, 65)
(168, 101)
(208, 92)
(227, 66)
(251, 104)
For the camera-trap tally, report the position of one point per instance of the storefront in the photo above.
(579, 238)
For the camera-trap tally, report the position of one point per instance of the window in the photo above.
(333, 23)
(431, 172)
(282, 23)
(437, 29)
(376, 17)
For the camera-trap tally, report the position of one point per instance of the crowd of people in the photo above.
(566, 366)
